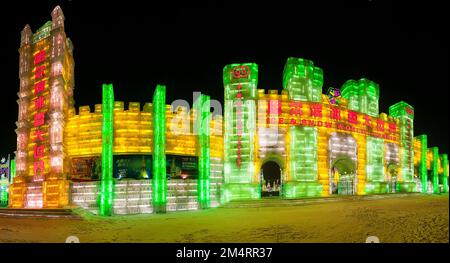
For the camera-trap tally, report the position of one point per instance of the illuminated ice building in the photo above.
(122, 159)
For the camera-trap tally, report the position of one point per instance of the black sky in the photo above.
(136, 45)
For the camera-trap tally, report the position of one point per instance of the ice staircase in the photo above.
(279, 202)
(42, 213)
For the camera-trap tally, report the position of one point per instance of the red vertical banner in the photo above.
(239, 124)
(39, 151)
(239, 72)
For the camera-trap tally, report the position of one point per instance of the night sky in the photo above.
(136, 46)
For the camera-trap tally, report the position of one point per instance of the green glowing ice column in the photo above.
(405, 113)
(303, 80)
(240, 81)
(4, 185)
(362, 96)
(303, 180)
(375, 167)
(423, 162)
(202, 107)
(444, 163)
(107, 184)
(435, 170)
(13, 170)
(3, 195)
(159, 150)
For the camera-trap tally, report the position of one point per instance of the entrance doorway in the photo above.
(270, 179)
(342, 152)
(392, 169)
(343, 177)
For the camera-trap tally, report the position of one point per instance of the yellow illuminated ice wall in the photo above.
(133, 135)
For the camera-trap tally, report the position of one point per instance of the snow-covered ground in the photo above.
(415, 218)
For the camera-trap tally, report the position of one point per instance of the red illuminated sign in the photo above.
(39, 135)
(39, 150)
(39, 119)
(240, 72)
(410, 110)
(392, 128)
(239, 123)
(315, 110)
(39, 87)
(295, 109)
(39, 103)
(352, 117)
(38, 167)
(368, 126)
(39, 72)
(39, 57)
(408, 136)
(380, 125)
(367, 121)
(335, 114)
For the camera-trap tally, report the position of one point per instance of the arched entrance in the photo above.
(270, 179)
(391, 165)
(391, 170)
(343, 176)
(342, 150)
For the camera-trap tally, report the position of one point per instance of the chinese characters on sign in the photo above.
(332, 118)
(239, 72)
(409, 133)
(39, 116)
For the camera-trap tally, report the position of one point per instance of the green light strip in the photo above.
(3, 195)
(203, 116)
(423, 163)
(435, 170)
(13, 170)
(159, 150)
(444, 163)
(106, 191)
